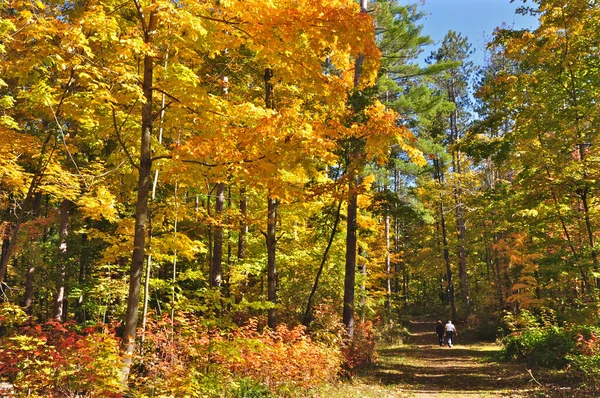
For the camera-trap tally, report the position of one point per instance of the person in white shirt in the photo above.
(450, 333)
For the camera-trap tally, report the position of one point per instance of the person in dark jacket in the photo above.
(439, 330)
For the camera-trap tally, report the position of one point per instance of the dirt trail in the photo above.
(423, 369)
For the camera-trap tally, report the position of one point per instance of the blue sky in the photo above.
(475, 19)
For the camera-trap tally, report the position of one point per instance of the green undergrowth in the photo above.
(570, 352)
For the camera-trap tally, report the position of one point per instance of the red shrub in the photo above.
(54, 360)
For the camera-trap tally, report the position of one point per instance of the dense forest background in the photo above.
(200, 198)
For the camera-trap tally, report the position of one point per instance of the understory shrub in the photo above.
(543, 347)
(55, 359)
(585, 360)
(360, 350)
(187, 358)
(537, 340)
(393, 334)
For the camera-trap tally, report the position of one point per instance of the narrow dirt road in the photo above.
(423, 369)
(420, 368)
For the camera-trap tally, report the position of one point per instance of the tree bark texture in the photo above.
(350, 274)
(243, 226)
(216, 269)
(61, 264)
(446, 250)
(141, 211)
(351, 226)
(271, 238)
(388, 270)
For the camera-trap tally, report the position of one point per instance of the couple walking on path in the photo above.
(448, 330)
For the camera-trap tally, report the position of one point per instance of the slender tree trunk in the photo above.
(498, 276)
(406, 283)
(272, 205)
(351, 226)
(28, 295)
(584, 191)
(141, 211)
(388, 270)
(228, 236)
(350, 274)
(396, 236)
(271, 239)
(462, 256)
(446, 251)
(8, 245)
(590, 233)
(567, 235)
(450, 281)
(362, 268)
(216, 269)
(209, 228)
(309, 304)
(460, 221)
(243, 226)
(493, 265)
(146, 296)
(33, 184)
(83, 264)
(61, 265)
(6, 233)
(174, 265)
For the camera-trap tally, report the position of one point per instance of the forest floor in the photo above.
(419, 368)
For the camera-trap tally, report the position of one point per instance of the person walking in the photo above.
(439, 330)
(450, 333)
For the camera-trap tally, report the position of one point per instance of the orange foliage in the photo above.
(53, 360)
(276, 359)
(361, 350)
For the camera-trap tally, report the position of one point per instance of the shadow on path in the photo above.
(421, 368)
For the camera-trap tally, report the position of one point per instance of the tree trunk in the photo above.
(309, 304)
(6, 233)
(388, 270)
(243, 226)
(362, 268)
(446, 251)
(83, 264)
(351, 226)
(216, 269)
(228, 237)
(8, 244)
(462, 255)
(271, 239)
(460, 221)
(590, 233)
(209, 231)
(61, 264)
(350, 275)
(28, 295)
(141, 211)
(271, 235)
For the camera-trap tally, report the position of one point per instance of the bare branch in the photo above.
(533, 378)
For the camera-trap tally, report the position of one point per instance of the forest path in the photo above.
(421, 368)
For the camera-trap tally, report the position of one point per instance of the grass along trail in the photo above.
(420, 368)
